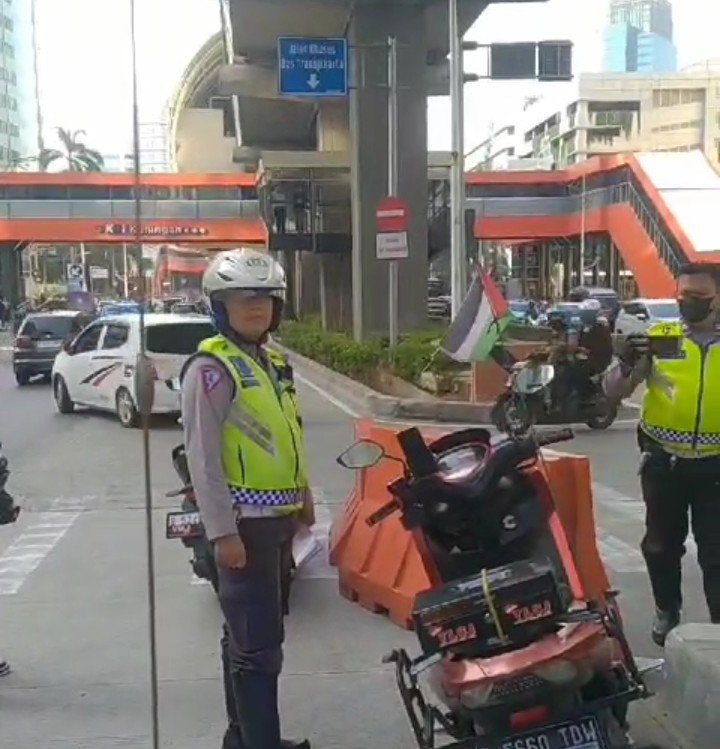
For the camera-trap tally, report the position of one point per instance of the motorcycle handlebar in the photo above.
(552, 438)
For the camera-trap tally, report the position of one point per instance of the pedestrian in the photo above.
(679, 436)
(248, 466)
(300, 210)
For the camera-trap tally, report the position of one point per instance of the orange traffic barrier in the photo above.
(385, 566)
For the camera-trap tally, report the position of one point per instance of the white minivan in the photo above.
(97, 368)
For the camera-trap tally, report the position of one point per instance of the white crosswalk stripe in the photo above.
(25, 554)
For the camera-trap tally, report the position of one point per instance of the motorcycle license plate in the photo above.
(183, 525)
(584, 733)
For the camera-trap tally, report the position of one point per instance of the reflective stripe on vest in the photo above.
(681, 408)
(263, 452)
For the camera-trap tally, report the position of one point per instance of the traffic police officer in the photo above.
(247, 461)
(679, 435)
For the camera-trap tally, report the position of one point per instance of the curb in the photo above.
(368, 402)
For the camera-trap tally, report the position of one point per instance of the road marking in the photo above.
(29, 549)
(329, 398)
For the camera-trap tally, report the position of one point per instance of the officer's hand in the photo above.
(230, 552)
(634, 348)
(307, 514)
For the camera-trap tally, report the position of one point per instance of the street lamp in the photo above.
(545, 61)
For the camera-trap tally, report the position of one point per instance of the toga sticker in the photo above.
(211, 377)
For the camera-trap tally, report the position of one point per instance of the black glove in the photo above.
(633, 349)
(9, 511)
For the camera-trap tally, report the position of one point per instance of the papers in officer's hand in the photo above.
(305, 545)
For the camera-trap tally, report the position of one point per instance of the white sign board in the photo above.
(99, 273)
(392, 245)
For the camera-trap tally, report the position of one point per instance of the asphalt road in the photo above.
(73, 606)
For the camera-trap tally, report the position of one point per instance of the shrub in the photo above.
(414, 353)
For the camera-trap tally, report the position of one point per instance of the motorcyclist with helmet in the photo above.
(247, 461)
(679, 436)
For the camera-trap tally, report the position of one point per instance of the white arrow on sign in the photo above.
(313, 81)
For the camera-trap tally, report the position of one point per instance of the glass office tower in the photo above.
(639, 37)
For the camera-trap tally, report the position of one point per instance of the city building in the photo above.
(117, 162)
(619, 113)
(155, 147)
(19, 106)
(639, 37)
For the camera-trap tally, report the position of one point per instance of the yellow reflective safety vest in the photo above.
(263, 452)
(681, 408)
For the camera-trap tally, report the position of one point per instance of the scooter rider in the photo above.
(247, 462)
(679, 436)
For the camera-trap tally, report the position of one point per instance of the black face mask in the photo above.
(695, 310)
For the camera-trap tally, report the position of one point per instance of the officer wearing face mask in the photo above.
(679, 435)
(245, 452)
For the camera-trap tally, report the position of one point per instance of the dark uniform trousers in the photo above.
(680, 493)
(254, 602)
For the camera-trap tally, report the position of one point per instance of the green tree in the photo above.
(73, 155)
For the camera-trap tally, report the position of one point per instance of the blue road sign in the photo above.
(312, 67)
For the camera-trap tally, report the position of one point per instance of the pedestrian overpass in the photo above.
(659, 210)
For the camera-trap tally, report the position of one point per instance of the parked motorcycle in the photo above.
(9, 511)
(186, 524)
(515, 653)
(533, 396)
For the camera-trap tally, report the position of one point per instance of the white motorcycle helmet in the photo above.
(244, 269)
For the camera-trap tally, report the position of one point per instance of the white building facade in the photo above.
(19, 107)
(614, 113)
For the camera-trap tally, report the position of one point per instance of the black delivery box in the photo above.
(458, 617)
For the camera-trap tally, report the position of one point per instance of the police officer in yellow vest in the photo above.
(247, 461)
(679, 435)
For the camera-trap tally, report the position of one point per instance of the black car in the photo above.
(39, 339)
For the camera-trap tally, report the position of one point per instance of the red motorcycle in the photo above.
(514, 651)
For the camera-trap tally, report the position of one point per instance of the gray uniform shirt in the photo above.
(207, 394)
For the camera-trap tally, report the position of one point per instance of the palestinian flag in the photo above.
(480, 323)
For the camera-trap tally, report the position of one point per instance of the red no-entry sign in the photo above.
(392, 215)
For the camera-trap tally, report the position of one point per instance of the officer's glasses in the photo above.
(253, 294)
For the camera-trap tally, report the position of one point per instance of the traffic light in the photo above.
(555, 61)
(513, 62)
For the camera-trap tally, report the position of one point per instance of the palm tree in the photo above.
(73, 153)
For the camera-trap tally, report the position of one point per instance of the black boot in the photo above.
(256, 697)
(233, 740)
(663, 624)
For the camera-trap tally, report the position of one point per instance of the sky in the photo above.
(85, 72)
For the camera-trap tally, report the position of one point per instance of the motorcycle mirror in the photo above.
(534, 378)
(363, 454)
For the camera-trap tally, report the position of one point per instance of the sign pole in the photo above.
(393, 181)
(457, 164)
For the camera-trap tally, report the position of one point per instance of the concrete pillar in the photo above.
(368, 32)
(10, 286)
(333, 127)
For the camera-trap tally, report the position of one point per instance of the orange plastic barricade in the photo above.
(384, 567)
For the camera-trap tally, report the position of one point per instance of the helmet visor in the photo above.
(227, 294)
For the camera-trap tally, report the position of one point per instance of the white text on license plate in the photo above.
(580, 734)
(183, 525)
